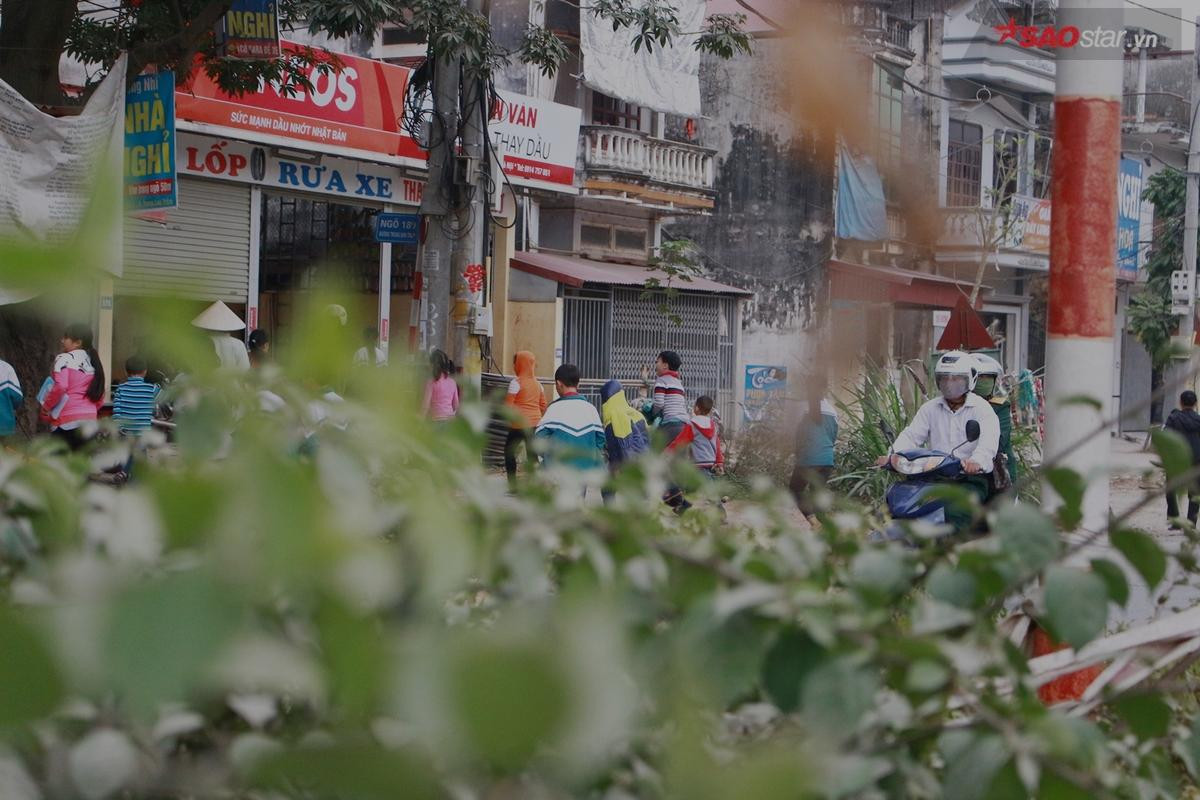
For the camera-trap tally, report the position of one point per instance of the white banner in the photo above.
(536, 141)
(49, 168)
(666, 79)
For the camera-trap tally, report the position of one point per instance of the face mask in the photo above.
(985, 387)
(952, 386)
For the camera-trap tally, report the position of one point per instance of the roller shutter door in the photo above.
(202, 253)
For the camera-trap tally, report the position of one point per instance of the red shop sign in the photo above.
(357, 107)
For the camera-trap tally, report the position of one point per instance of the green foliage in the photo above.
(1149, 316)
(357, 608)
(679, 261)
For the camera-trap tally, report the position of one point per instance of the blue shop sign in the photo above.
(397, 228)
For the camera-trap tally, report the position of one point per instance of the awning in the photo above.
(575, 271)
(894, 286)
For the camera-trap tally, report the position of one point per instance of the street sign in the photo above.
(397, 228)
(249, 30)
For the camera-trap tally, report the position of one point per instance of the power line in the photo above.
(1160, 11)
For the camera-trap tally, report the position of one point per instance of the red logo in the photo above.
(474, 275)
(1046, 36)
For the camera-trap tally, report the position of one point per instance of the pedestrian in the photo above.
(703, 443)
(571, 432)
(625, 433)
(370, 352)
(528, 402)
(669, 405)
(260, 348)
(10, 400)
(218, 320)
(816, 437)
(76, 387)
(1186, 422)
(441, 391)
(134, 399)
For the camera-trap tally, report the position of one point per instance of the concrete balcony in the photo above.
(645, 169)
(968, 232)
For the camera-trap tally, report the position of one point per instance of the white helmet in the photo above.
(987, 367)
(955, 374)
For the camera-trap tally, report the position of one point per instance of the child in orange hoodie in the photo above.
(526, 397)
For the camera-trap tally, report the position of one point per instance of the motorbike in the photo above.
(914, 498)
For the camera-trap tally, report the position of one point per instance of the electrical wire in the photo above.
(1160, 11)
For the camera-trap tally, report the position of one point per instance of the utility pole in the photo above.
(468, 273)
(1083, 253)
(1179, 371)
(437, 212)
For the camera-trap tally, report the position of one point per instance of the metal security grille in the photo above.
(587, 332)
(705, 339)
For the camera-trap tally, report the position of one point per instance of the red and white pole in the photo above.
(1083, 250)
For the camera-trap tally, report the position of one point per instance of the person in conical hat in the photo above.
(219, 320)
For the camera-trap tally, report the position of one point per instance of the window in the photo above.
(611, 111)
(1039, 181)
(888, 96)
(964, 164)
(630, 240)
(405, 35)
(1008, 164)
(595, 236)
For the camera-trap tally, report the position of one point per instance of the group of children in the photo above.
(573, 433)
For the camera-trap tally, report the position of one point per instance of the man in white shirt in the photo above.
(942, 421)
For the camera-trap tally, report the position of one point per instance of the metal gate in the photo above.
(704, 337)
(587, 332)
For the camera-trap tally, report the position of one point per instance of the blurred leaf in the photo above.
(510, 698)
(954, 586)
(163, 634)
(1053, 787)
(190, 505)
(1143, 553)
(1188, 749)
(101, 763)
(1027, 536)
(879, 573)
(1076, 605)
(926, 676)
(1174, 452)
(349, 771)
(969, 774)
(1148, 716)
(357, 662)
(731, 655)
(1082, 400)
(1114, 580)
(1070, 487)
(34, 684)
(837, 694)
(788, 663)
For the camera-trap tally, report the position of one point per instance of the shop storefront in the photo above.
(278, 198)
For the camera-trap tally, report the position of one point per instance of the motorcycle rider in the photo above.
(988, 386)
(941, 423)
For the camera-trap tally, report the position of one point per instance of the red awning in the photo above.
(575, 271)
(894, 286)
(965, 330)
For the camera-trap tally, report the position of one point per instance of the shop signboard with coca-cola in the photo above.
(353, 109)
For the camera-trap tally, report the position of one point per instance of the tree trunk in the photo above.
(28, 341)
(33, 34)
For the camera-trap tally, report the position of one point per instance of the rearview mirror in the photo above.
(972, 431)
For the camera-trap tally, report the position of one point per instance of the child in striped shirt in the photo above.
(670, 404)
(134, 400)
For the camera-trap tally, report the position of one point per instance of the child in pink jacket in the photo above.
(78, 378)
(441, 393)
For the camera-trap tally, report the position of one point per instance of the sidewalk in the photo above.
(1134, 478)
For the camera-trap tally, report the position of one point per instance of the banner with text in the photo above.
(150, 142)
(249, 30)
(536, 141)
(359, 181)
(356, 107)
(1129, 218)
(53, 171)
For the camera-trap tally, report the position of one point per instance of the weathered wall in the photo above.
(534, 327)
(770, 231)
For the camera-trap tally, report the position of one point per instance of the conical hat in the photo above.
(218, 317)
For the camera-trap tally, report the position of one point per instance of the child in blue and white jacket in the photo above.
(570, 432)
(10, 399)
